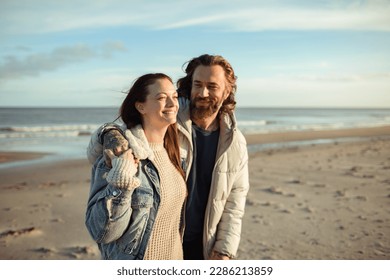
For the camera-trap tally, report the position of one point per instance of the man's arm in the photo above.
(114, 141)
(108, 136)
(229, 229)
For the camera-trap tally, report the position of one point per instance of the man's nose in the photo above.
(203, 92)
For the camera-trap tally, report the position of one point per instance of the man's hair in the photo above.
(184, 84)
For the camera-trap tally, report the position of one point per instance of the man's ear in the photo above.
(226, 94)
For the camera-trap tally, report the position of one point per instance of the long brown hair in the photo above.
(132, 117)
(184, 84)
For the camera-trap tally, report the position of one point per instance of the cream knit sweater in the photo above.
(165, 242)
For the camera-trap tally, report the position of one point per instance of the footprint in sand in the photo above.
(381, 249)
(352, 171)
(30, 231)
(317, 185)
(361, 198)
(18, 186)
(286, 211)
(252, 202)
(267, 203)
(387, 182)
(273, 190)
(57, 220)
(257, 219)
(79, 252)
(8, 209)
(49, 184)
(294, 181)
(341, 193)
(363, 218)
(308, 209)
(42, 207)
(62, 195)
(278, 191)
(45, 251)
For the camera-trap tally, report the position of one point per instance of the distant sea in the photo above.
(66, 131)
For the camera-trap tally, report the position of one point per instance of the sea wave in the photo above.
(309, 127)
(255, 123)
(246, 126)
(47, 131)
(48, 128)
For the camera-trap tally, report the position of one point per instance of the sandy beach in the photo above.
(319, 201)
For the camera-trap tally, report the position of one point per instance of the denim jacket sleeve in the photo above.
(109, 208)
(95, 147)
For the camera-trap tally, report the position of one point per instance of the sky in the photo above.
(291, 53)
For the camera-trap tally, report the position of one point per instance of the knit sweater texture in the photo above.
(165, 242)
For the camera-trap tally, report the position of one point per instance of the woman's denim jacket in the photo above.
(121, 220)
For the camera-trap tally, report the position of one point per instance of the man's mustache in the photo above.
(204, 99)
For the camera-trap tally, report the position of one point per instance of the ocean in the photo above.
(65, 132)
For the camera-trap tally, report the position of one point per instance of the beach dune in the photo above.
(328, 201)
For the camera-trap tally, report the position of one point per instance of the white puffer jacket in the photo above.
(229, 183)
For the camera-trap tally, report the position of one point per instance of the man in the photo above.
(214, 156)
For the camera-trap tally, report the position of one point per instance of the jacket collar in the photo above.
(184, 116)
(138, 143)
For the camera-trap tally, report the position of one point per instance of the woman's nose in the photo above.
(170, 102)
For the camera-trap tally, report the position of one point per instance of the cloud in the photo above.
(37, 63)
(113, 46)
(288, 83)
(283, 15)
(347, 90)
(347, 78)
(246, 15)
(46, 16)
(319, 19)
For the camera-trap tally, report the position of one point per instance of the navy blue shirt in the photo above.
(205, 149)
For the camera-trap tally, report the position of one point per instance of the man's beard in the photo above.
(202, 112)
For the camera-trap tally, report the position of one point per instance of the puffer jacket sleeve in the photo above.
(229, 228)
(95, 146)
(109, 206)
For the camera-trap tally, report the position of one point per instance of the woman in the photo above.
(135, 208)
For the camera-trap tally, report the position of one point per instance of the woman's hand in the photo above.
(126, 155)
